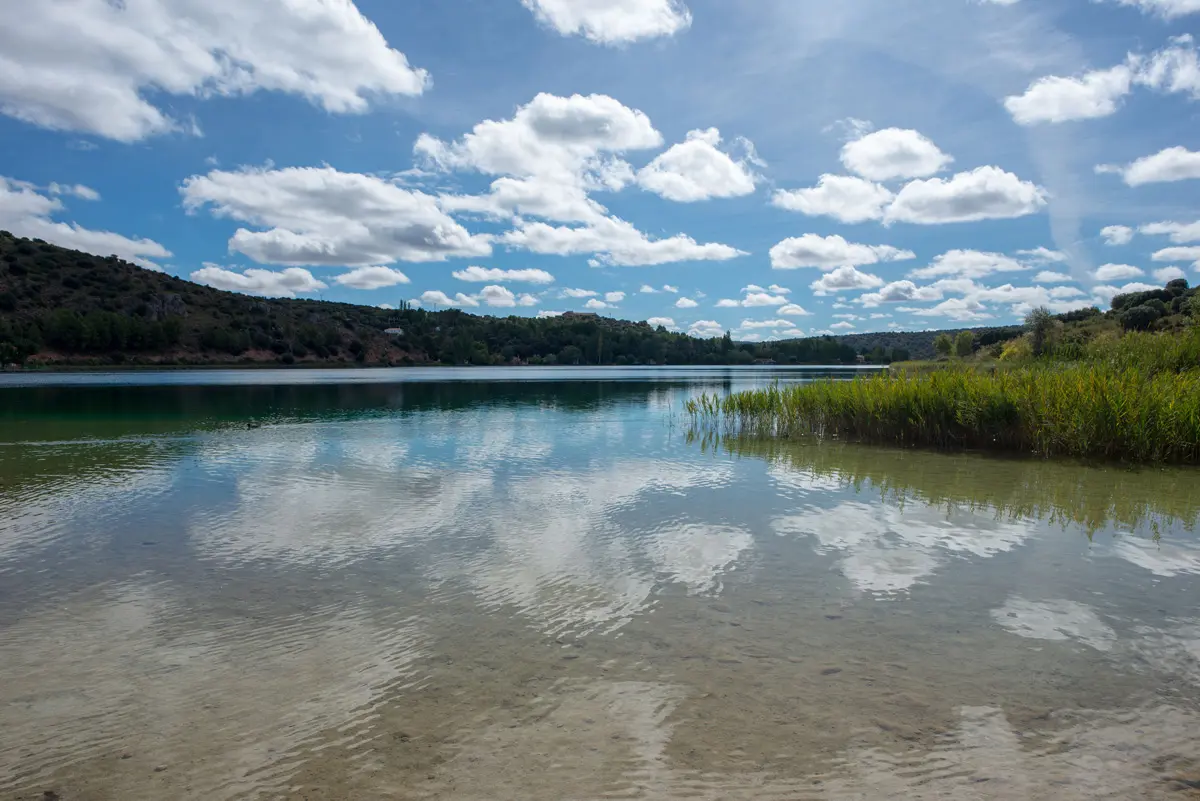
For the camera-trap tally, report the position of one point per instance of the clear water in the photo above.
(495, 585)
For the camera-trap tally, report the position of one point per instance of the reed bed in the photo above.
(1109, 408)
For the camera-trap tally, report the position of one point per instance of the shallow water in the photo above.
(474, 585)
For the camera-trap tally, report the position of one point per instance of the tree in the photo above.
(943, 344)
(964, 344)
(1139, 318)
(1040, 323)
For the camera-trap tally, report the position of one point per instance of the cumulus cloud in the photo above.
(372, 278)
(961, 309)
(900, 292)
(753, 296)
(545, 314)
(578, 294)
(612, 22)
(1165, 166)
(614, 297)
(985, 193)
(794, 310)
(1057, 99)
(615, 243)
(698, 169)
(894, 153)
(286, 283)
(686, 303)
(1116, 235)
(1042, 255)
(844, 278)
(482, 274)
(438, 298)
(845, 198)
(1048, 277)
(321, 217)
(76, 190)
(502, 297)
(842, 326)
(26, 211)
(1179, 233)
(706, 329)
(665, 322)
(1168, 274)
(748, 325)
(95, 67)
(968, 264)
(828, 252)
(1191, 254)
(1117, 272)
(1098, 93)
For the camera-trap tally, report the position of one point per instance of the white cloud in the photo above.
(1165, 8)
(372, 278)
(321, 217)
(94, 66)
(438, 298)
(648, 290)
(24, 211)
(753, 296)
(753, 324)
(1042, 255)
(842, 326)
(1191, 254)
(829, 252)
(1180, 233)
(674, 290)
(778, 290)
(894, 153)
(1165, 166)
(900, 292)
(1098, 93)
(985, 193)
(968, 264)
(578, 293)
(501, 297)
(1057, 99)
(844, 278)
(686, 303)
(1116, 235)
(845, 198)
(612, 22)
(614, 297)
(792, 333)
(616, 243)
(557, 137)
(698, 170)
(706, 329)
(961, 309)
(1048, 277)
(794, 310)
(76, 190)
(665, 322)
(545, 314)
(286, 283)
(482, 274)
(1168, 274)
(1117, 272)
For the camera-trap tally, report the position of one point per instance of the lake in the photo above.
(536, 585)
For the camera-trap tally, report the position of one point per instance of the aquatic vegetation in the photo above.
(1144, 501)
(1123, 402)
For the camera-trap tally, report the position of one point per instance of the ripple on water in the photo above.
(228, 709)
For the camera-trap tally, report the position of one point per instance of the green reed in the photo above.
(1110, 408)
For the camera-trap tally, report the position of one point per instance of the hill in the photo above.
(64, 307)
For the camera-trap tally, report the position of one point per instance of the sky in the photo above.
(775, 168)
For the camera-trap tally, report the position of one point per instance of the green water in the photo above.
(539, 585)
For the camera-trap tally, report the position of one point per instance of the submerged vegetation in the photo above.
(1132, 397)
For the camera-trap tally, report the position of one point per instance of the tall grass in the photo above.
(1125, 406)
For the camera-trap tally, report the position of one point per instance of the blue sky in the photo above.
(774, 167)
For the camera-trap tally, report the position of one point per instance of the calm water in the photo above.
(538, 585)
